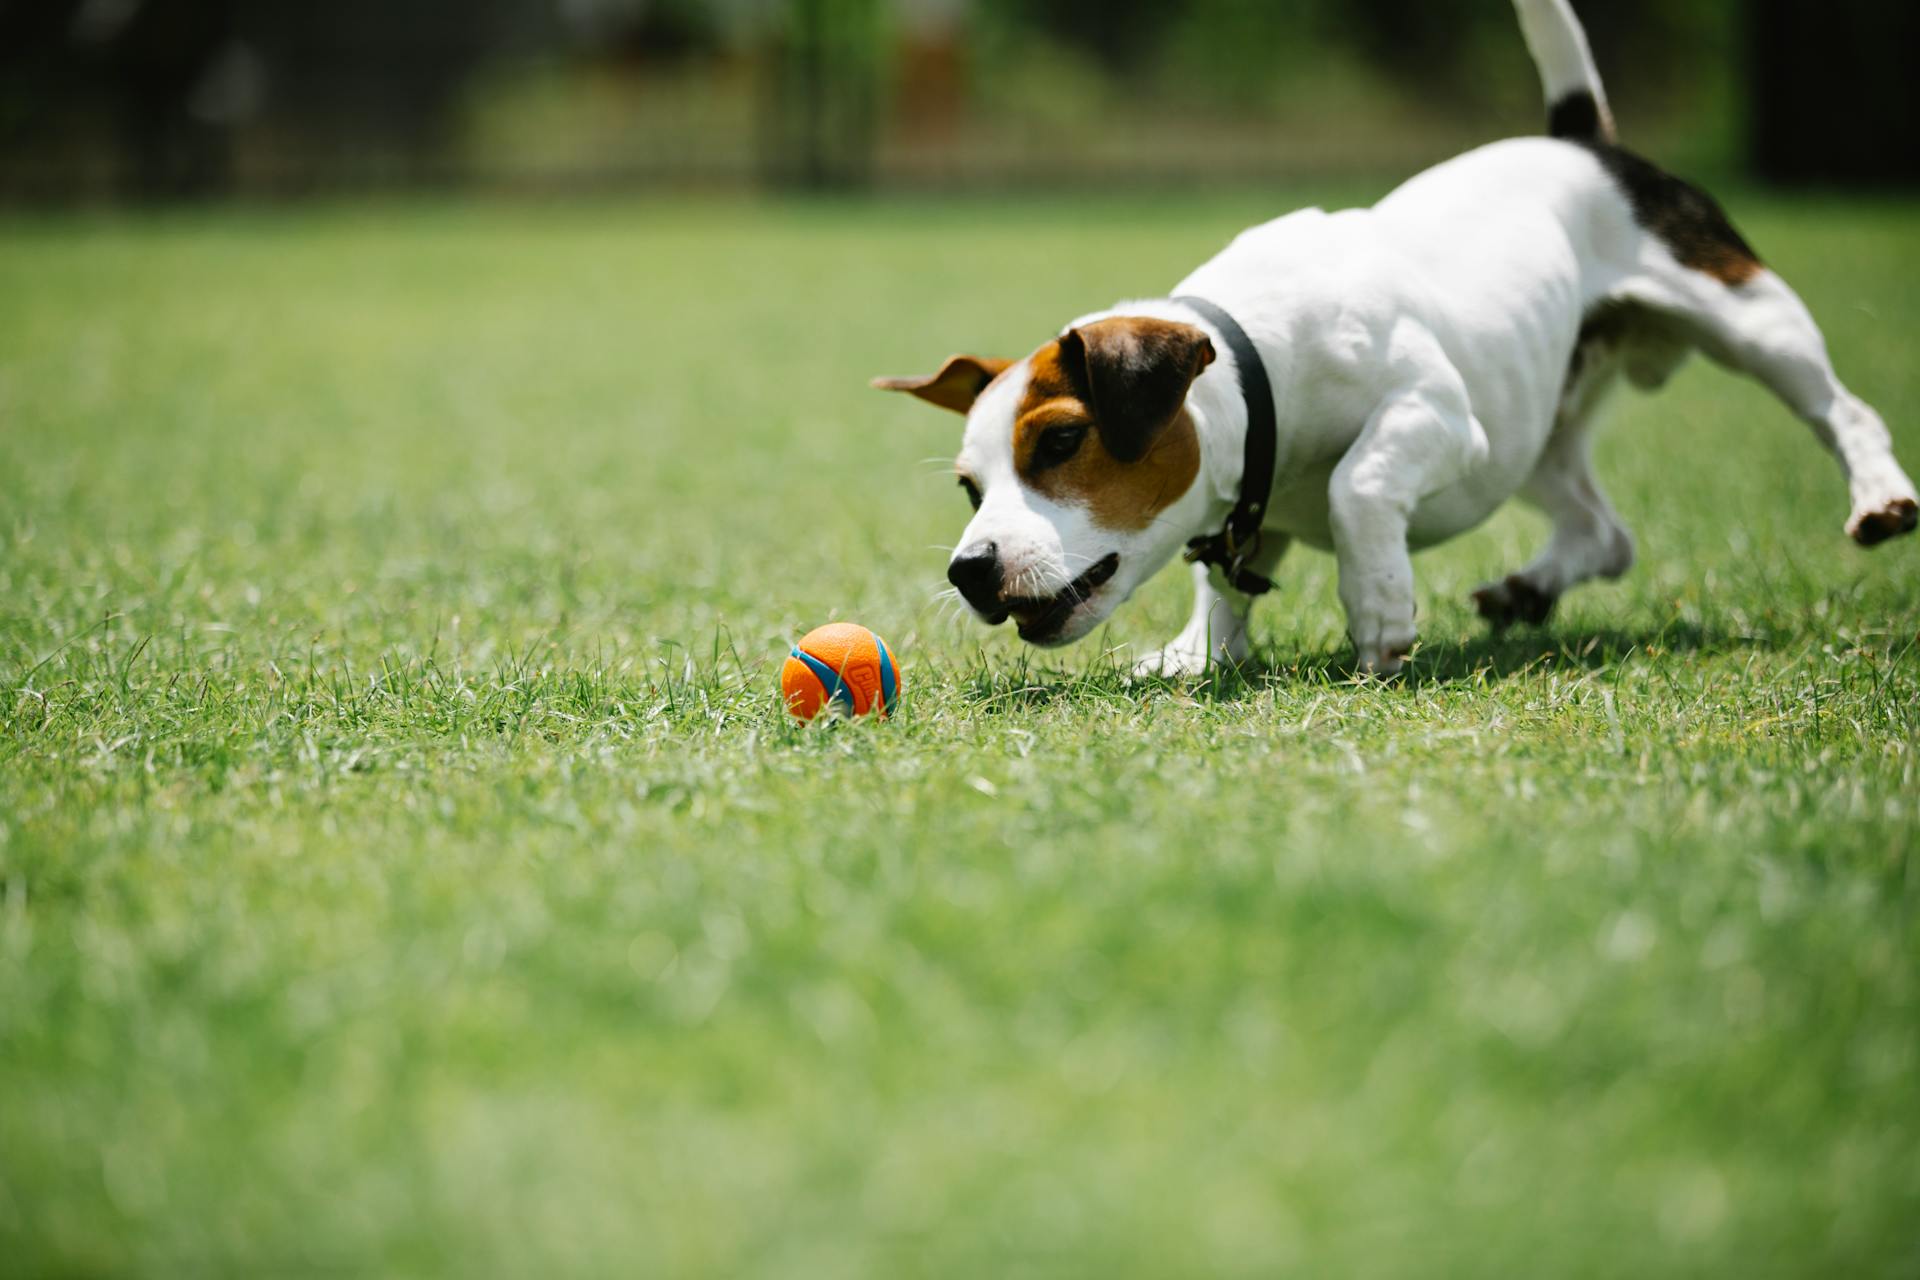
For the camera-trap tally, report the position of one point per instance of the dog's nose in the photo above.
(975, 570)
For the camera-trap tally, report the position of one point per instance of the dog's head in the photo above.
(1081, 462)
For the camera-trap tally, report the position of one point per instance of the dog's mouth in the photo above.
(1040, 621)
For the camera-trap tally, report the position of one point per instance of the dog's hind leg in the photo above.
(1588, 540)
(1761, 328)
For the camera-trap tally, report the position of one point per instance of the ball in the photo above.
(841, 666)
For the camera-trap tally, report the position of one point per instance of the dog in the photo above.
(1375, 381)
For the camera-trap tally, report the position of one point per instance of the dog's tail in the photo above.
(1576, 104)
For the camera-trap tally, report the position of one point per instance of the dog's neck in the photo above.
(1219, 413)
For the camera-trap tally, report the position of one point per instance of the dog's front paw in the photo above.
(1189, 655)
(1380, 611)
(1513, 599)
(1382, 662)
(1172, 662)
(1873, 525)
(1382, 650)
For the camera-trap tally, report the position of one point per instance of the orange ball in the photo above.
(842, 665)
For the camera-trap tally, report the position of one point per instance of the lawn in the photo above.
(406, 867)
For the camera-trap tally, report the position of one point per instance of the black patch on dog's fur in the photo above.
(1687, 220)
(1575, 117)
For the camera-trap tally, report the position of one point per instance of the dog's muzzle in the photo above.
(1041, 620)
(977, 573)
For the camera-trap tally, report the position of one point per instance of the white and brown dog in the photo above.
(1418, 363)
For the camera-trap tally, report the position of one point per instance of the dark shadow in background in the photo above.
(1834, 97)
(149, 99)
(155, 99)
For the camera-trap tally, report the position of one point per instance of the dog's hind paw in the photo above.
(1513, 599)
(1889, 520)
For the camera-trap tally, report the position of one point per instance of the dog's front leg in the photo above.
(1217, 631)
(1416, 443)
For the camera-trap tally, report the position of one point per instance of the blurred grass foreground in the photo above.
(160, 98)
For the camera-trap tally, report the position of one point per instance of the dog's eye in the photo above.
(973, 491)
(1057, 445)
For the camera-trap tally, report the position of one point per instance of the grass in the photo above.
(406, 868)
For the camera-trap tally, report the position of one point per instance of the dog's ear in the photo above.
(957, 385)
(1135, 373)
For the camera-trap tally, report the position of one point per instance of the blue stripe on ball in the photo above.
(888, 681)
(830, 680)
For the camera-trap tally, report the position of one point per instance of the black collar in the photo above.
(1239, 542)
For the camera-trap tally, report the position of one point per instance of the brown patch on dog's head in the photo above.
(1118, 388)
(958, 384)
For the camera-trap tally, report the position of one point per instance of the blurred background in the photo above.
(149, 100)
